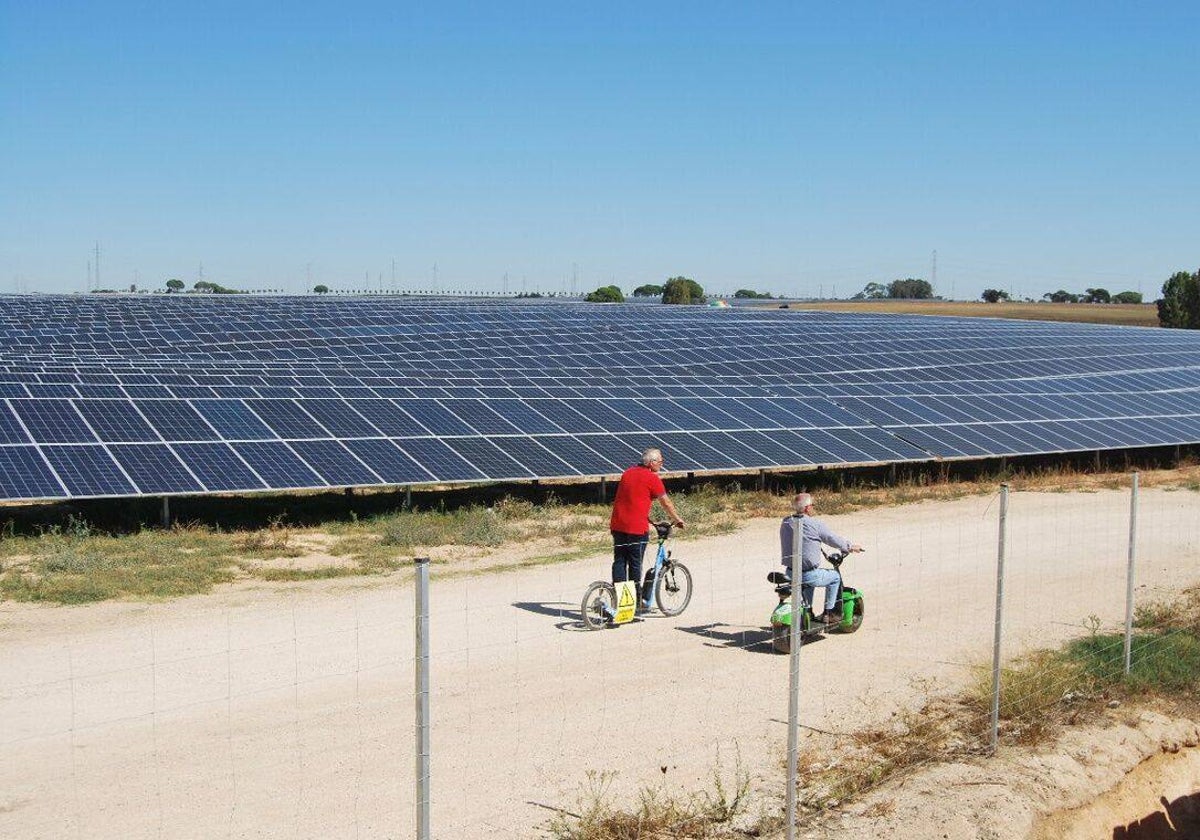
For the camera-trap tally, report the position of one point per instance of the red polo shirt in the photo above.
(639, 486)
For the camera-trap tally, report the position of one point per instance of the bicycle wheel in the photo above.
(599, 605)
(673, 591)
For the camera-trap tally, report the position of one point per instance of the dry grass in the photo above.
(73, 563)
(1123, 314)
(862, 761)
(658, 813)
(1041, 692)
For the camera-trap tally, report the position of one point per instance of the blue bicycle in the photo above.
(667, 588)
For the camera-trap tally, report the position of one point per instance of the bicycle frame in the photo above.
(651, 579)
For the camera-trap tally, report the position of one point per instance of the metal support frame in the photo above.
(1133, 506)
(999, 617)
(421, 696)
(794, 685)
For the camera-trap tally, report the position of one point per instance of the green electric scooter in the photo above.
(849, 605)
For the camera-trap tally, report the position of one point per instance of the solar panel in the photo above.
(218, 467)
(154, 468)
(88, 471)
(25, 475)
(136, 395)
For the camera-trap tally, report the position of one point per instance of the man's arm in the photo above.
(840, 543)
(669, 507)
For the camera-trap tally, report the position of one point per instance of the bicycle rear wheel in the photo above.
(599, 605)
(673, 592)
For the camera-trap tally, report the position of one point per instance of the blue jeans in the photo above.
(813, 578)
(628, 550)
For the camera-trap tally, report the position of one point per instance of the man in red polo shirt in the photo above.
(630, 522)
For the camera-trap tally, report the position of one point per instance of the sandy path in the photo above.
(288, 712)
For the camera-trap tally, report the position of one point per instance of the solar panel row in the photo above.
(127, 396)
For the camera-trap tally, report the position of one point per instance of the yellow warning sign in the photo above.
(627, 596)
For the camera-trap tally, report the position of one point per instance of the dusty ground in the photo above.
(272, 711)
(1082, 787)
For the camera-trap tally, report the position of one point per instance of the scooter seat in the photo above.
(778, 578)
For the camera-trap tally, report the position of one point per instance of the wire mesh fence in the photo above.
(291, 711)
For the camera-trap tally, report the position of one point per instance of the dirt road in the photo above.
(288, 711)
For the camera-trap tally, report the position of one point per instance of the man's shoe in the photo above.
(832, 618)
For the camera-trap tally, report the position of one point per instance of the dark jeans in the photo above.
(628, 550)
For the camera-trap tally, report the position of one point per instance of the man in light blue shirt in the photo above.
(812, 534)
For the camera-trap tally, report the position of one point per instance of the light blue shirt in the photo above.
(812, 534)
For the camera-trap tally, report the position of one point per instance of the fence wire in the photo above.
(288, 711)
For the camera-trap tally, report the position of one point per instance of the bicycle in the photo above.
(667, 587)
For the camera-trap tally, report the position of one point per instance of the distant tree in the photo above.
(752, 295)
(1061, 296)
(174, 285)
(648, 290)
(606, 294)
(530, 295)
(910, 288)
(682, 290)
(133, 287)
(872, 291)
(207, 287)
(321, 289)
(1180, 304)
(1096, 296)
(1127, 297)
(994, 295)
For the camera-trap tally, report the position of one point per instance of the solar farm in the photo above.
(139, 396)
(237, 674)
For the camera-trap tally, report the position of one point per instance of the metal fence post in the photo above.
(421, 694)
(999, 618)
(794, 682)
(1133, 506)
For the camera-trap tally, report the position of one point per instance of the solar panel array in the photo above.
(125, 396)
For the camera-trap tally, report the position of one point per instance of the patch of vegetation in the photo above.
(868, 758)
(73, 560)
(475, 525)
(657, 814)
(273, 541)
(79, 566)
(1039, 693)
(1045, 689)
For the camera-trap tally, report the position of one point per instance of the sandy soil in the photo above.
(1087, 784)
(287, 711)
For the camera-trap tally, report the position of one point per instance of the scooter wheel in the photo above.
(781, 638)
(856, 618)
(599, 605)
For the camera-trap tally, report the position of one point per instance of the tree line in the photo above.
(679, 290)
(910, 288)
(1089, 296)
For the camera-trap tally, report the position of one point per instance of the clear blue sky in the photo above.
(786, 147)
